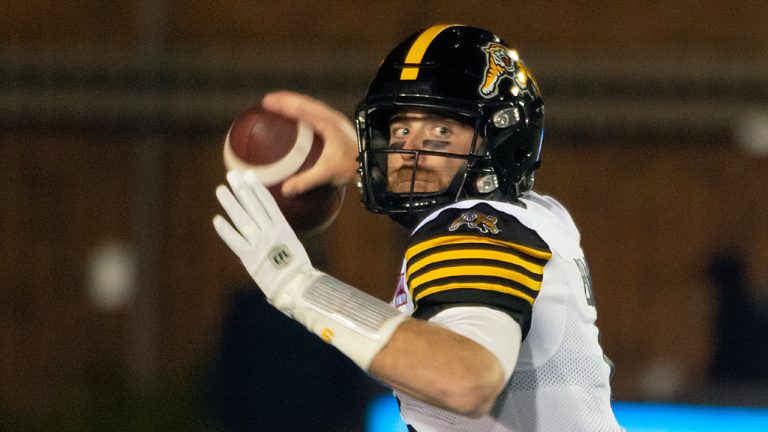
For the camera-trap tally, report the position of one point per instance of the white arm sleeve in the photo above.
(493, 329)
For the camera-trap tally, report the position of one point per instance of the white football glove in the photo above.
(263, 240)
(356, 323)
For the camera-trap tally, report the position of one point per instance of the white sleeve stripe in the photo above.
(493, 329)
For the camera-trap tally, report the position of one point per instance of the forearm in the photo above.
(440, 367)
(423, 360)
(356, 323)
(428, 361)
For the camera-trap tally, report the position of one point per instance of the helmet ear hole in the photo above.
(506, 118)
(486, 183)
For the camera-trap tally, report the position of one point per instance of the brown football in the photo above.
(275, 148)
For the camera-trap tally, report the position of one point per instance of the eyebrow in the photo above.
(417, 116)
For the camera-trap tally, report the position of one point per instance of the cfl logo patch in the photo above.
(280, 256)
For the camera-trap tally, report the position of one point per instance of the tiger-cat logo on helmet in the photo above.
(500, 64)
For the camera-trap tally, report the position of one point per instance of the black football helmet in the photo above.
(467, 74)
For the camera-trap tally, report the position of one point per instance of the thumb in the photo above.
(304, 181)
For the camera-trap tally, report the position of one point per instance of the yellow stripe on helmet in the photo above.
(419, 47)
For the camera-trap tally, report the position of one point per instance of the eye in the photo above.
(399, 131)
(441, 131)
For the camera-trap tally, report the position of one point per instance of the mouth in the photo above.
(425, 181)
(418, 186)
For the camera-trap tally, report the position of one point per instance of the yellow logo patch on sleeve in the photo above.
(476, 220)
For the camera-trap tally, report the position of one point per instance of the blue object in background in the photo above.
(383, 416)
(653, 417)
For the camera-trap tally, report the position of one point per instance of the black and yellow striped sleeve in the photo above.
(476, 256)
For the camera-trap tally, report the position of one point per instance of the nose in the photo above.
(412, 142)
(415, 140)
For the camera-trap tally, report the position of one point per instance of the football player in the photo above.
(492, 326)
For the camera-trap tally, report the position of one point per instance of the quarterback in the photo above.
(492, 323)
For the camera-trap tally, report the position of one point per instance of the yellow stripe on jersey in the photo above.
(464, 254)
(473, 270)
(477, 263)
(471, 285)
(417, 51)
(459, 239)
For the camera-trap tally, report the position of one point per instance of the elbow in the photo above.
(474, 405)
(475, 396)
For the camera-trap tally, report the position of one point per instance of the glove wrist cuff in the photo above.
(356, 323)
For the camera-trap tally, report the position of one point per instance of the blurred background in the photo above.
(120, 309)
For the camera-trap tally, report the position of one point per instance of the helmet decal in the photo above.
(500, 62)
(416, 53)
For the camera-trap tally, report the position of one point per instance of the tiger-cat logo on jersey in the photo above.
(476, 220)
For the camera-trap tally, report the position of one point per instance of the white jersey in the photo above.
(526, 261)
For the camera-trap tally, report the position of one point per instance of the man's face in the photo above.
(413, 130)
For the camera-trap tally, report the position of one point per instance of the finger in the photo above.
(230, 236)
(304, 181)
(299, 106)
(240, 218)
(244, 191)
(296, 105)
(234, 178)
(265, 198)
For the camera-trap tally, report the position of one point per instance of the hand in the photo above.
(261, 237)
(337, 164)
(354, 322)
